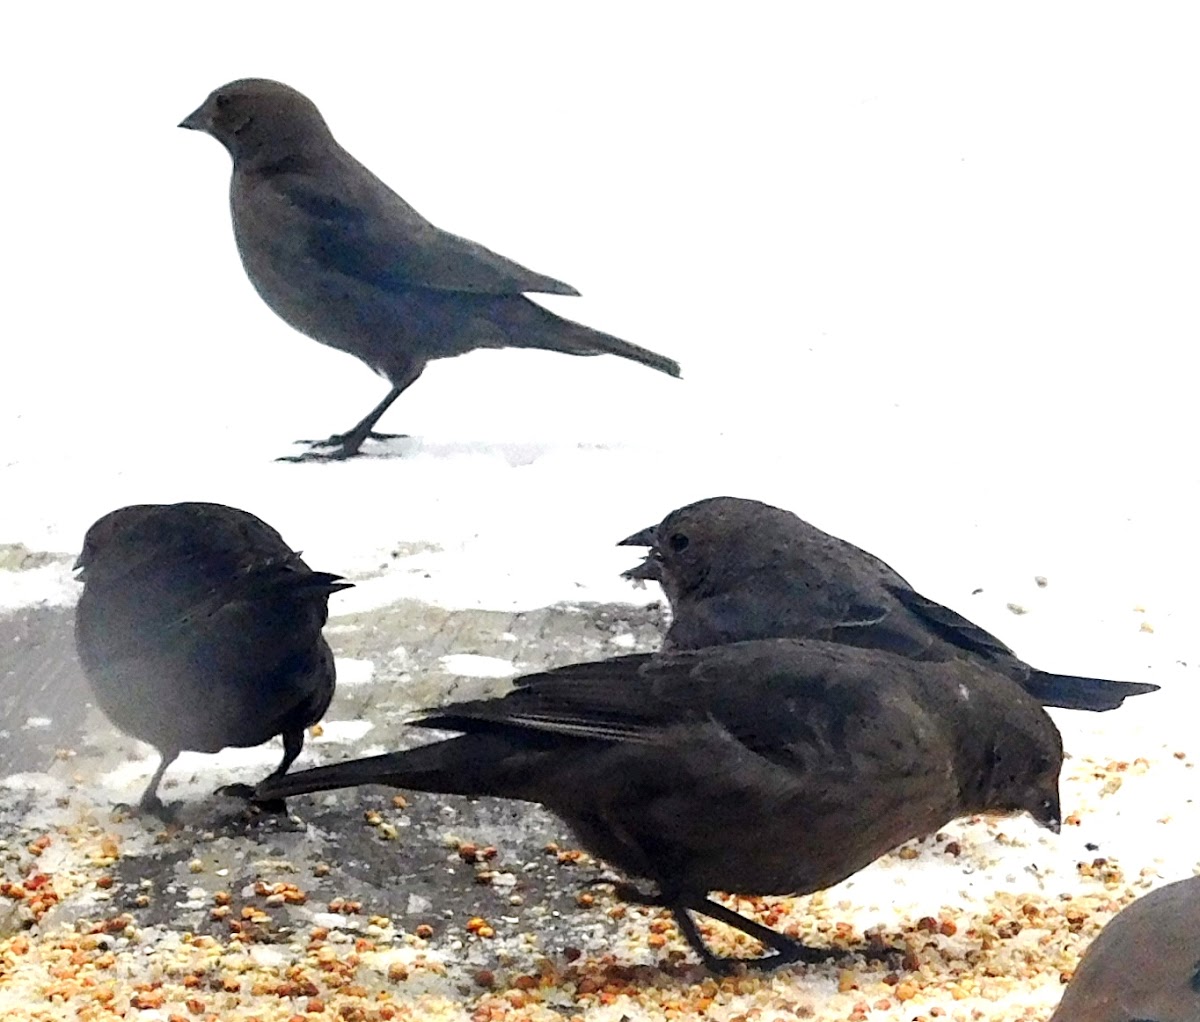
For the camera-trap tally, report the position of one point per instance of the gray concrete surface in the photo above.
(405, 863)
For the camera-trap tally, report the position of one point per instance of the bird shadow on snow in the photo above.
(516, 454)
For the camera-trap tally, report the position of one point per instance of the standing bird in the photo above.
(771, 767)
(343, 259)
(737, 569)
(199, 628)
(1144, 966)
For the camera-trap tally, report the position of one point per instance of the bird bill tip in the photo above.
(643, 538)
(194, 121)
(647, 571)
(1048, 814)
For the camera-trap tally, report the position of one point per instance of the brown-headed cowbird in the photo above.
(770, 767)
(1144, 966)
(343, 259)
(199, 628)
(737, 569)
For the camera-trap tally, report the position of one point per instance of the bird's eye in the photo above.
(223, 102)
(678, 542)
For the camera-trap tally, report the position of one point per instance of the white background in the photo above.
(931, 272)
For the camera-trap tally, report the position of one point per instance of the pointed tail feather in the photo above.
(616, 346)
(530, 326)
(457, 766)
(1076, 693)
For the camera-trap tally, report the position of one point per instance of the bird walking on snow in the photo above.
(342, 258)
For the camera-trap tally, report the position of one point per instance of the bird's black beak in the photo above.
(650, 570)
(644, 538)
(1048, 814)
(195, 121)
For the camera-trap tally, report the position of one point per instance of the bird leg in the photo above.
(787, 949)
(293, 743)
(150, 803)
(713, 963)
(346, 445)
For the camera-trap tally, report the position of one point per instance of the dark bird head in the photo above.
(715, 543)
(259, 120)
(1020, 773)
(107, 531)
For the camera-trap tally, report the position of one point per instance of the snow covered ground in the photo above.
(930, 272)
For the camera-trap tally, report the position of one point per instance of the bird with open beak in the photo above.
(737, 569)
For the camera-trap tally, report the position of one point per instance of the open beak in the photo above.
(650, 570)
(195, 121)
(644, 538)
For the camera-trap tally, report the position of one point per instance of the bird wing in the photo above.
(784, 699)
(384, 242)
(209, 585)
(949, 625)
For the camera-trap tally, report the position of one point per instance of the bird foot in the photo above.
(154, 807)
(633, 894)
(794, 954)
(274, 806)
(339, 447)
(897, 959)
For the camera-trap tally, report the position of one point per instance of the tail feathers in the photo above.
(281, 578)
(323, 581)
(1075, 693)
(616, 346)
(534, 327)
(458, 766)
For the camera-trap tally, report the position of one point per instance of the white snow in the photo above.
(472, 665)
(930, 272)
(354, 672)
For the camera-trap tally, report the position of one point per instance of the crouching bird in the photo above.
(343, 259)
(199, 628)
(768, 767)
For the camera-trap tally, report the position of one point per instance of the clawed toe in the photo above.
(626, 891)
(153, 807)
(269, 806)
(338, 454)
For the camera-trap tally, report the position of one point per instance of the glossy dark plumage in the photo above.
(199, 628)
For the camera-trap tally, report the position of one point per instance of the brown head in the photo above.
(1013, 763)
(259, 120)
(713, 544)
